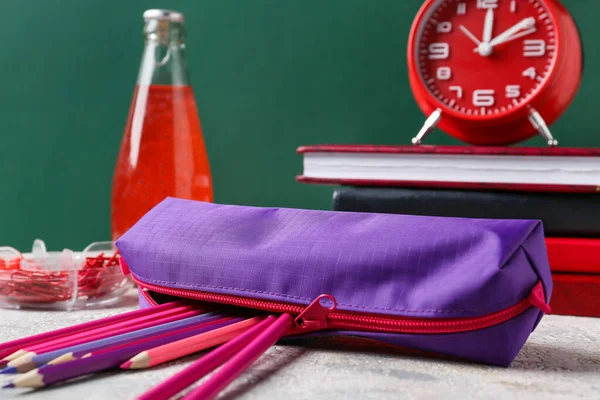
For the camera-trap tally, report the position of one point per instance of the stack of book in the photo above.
(559, 186)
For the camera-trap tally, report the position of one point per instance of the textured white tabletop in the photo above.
(561, 360)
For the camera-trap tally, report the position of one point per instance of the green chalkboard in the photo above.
(269, 75)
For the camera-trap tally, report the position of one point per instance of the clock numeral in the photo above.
(529, 72)
(444, 27)
(439, 51)
(458, 90)
(513, 6)
(461, 8)
(483, 98)
(484, 4)
(513, 91)
(534, 48)
(443, 73)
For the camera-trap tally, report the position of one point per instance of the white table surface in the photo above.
(561, 360)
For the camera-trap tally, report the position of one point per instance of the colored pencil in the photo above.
(194, 344)
(101, 332)
(121, 326)
(50, 374)
(210, 325)
(239, 362)
(206, 364)
(99, 348)
(14, 345)
(25, 364)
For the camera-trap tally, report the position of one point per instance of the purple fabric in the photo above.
(142, 300)
(397, 265)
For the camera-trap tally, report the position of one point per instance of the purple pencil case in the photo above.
(468, 288)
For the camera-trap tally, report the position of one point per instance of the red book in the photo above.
(579, 255)
(547, 169)
(576, 295)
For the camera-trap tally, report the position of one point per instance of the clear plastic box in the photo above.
(64, 280)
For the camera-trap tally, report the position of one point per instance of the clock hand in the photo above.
(488, 26)
(469, 34)
(518, 35)
(485, 49)
(527, 23)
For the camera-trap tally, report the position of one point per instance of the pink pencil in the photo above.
(24, 363)
(134, 324)
(14, 345)
(206, 321)
(184, 347)
(206, 364)
(96, 333)
(239, 362)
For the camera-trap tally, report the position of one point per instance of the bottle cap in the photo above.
(163, 15)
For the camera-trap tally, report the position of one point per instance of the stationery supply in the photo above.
(526, 169)
(25, 363)
(469, 288)
(243, 359)
(162, 153)
(181, 348)
(15, 345)
(564, 214)
(190, 333)
(50, 374)
(577, 294)
(574, 255)
(27, 353)
(64, 280)
(205, 365)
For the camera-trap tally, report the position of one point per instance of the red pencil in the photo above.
(184, 347)
(14, 345)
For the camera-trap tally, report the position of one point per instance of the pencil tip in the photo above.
(8, 386)
(126, 365)
(8, 370)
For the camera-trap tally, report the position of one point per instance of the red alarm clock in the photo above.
(493, 72)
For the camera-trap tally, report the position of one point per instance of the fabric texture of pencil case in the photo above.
(468, 288)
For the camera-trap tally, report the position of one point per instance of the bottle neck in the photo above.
(163, 61)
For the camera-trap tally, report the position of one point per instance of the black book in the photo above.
(563, 214)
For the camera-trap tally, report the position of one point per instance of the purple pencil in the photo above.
(26, 363)
(50, 374)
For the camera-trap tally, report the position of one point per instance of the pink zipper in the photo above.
(319, 316)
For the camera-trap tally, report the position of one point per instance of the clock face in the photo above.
(483, 59)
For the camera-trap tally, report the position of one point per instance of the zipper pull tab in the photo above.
(536, 298)
(314, 317)
(124, 268)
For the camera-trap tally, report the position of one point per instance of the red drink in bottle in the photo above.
(162, 153)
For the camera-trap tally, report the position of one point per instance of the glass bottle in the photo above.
(162, 152)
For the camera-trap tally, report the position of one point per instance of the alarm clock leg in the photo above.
(540, 125)
(428, 126)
